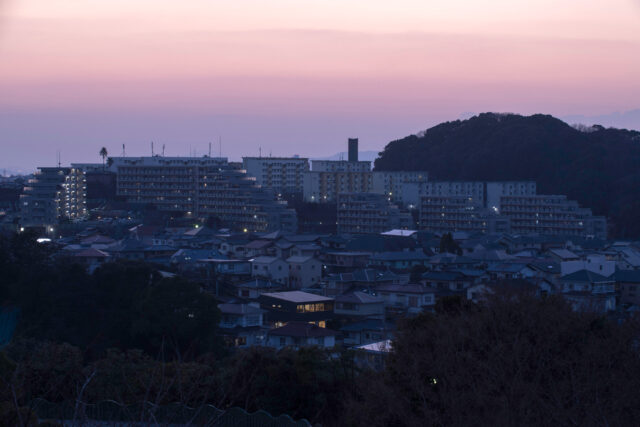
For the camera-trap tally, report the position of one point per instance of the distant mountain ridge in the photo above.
(598, 167)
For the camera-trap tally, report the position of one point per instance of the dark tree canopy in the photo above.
(600, 168)
(518, 360)
(122, 304)
(448, 245)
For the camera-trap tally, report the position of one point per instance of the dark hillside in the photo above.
(598, 167)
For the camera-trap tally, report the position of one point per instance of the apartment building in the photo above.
(360, 213)
(53, 194)
(459, 213)
(551, 215)
(200, 187)
(401, 187)
(328, 178)
(285, 175)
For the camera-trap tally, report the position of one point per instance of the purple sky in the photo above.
(298, 77)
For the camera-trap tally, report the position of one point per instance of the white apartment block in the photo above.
(340, 166)
(324, 187)
(399, 186)
(498, 189)
(282, 174)
(551, 215)
(364, 213)
(53, 194)
(200, 187)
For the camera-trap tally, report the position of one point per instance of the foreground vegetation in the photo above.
(126, 334)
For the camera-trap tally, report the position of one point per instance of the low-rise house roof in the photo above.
(299, 259)
(587, 277)
(265, 259)
(400, 256)
(91, 253)
(563, 254)
(550, 267)
(258, 284)
(302, 238)
(297, 296)
(379, 243)
(407, 289)
(97, 240)
(448, 258)
(401, 233)
(358, 298)
(376, 347)
(366, 275)
(258, 244)
(507, 267)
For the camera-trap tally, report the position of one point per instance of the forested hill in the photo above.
(598, 167)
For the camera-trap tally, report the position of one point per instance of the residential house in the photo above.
(359, 305)
(271, 268)
(338, 262)
(589, 291)
(404, 260)
(229, 267)
(509, 271)
(448, 261)
(254, 288)
(92, 258)
(301, 334)
(373, 355)
(290, 306)
(242, 325)
(365, 279)
(628, 285)
(259, 247)
(413, 298)
(366, 331)
(447, 280)
(304, 271)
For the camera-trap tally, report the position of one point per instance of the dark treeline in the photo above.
(126, 334)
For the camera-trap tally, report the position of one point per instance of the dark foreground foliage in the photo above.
(516, 360)
(124, 334)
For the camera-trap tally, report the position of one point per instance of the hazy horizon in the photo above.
(298, 78)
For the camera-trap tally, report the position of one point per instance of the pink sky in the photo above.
(296, 76)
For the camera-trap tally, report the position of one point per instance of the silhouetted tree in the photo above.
(448, 245)
(103, 153)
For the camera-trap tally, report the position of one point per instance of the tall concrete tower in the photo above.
(353, 149)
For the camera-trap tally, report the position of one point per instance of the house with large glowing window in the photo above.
(296, 306)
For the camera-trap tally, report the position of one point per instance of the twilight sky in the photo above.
(298, 76)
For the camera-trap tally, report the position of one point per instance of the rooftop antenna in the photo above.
(220, 146)
(58, 156)
(260, 151)
(209, 149)
(124, 153)
(162, 150)
(151, 148)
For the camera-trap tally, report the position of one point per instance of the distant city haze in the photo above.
(298, 77)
